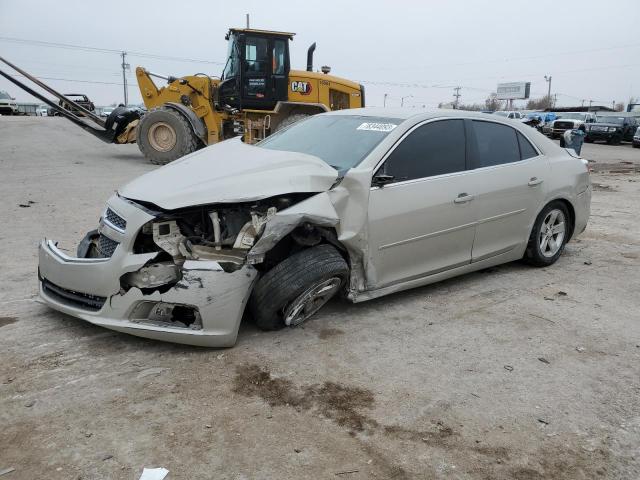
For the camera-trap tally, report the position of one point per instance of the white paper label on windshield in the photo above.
(377, 127)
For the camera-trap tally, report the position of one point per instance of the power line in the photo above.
(79, 81)
(85, 48)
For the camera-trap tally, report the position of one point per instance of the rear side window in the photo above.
(432, 149)
(496, 144)
(526, 149)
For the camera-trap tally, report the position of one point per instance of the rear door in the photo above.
(510, 187)
(423, 222)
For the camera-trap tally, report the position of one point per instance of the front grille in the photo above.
(73, 298)
(563, 125)
(114, 219)
(106, 246)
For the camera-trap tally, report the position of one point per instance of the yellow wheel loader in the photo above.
(257, 94)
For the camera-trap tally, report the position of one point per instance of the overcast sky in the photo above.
(591, 48)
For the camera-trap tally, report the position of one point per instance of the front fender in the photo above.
(192, 118)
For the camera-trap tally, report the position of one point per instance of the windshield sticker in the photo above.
(377, 127)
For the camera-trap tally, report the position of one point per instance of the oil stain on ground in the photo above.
(4, 321)
(326, 333)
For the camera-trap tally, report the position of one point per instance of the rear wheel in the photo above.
(549, 235)
(298, 287)
(164, 135)
(615, 140)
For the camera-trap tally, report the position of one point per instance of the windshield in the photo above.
(231, 67)
(4, 96)
(572, 116)
(607, 119)
(502, 114)
(341, 141)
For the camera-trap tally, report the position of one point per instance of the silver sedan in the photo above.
(359, 202)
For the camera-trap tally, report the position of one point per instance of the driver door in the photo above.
(423, 221)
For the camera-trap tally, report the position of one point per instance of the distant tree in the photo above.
(540, 103)
(492, 102)
(473, 107)
(619, 107)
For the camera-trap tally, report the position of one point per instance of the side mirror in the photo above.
(382, 179)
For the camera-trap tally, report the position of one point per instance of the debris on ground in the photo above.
(544, 422)
(508, 368)
(7, 470)
(153, 473)
(30, 403)
(544, 360)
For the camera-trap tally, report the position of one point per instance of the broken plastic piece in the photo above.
(154, 473)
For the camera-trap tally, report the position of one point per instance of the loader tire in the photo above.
(164, 135)
(319, 271)
(290, 120)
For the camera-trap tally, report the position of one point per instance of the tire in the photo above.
(636, 145)
(283, 288)
(535, 255)
(164, 135)
(290, 120)
(615, 140)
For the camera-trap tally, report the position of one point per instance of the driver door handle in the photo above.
(463, 198)
(535, 181)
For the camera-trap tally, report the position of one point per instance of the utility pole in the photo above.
(583, 102)
(590, 102)
(125, 67)
(384, 102)
(613, 105)
(402, 99)
(457, 95)
(548, 80)
(248, 21)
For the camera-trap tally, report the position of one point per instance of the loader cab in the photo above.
(256, 72)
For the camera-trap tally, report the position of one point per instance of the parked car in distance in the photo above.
(513, 115)
(8, 105)
(78, 98)
(612, 129)
(362, 202)
(42, 111)
(636, 138)
(569, 121)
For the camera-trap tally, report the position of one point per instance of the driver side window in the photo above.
(256, 55)
(435, 148)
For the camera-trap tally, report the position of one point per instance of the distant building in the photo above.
(592, 108)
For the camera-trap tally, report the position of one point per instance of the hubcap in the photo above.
(310, 301)
(552, 233)
(162, 136)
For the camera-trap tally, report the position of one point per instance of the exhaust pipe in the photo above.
(310, 57)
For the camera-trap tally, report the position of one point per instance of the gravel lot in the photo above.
(512, 373)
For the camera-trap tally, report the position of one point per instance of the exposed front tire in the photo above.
(164, 135)
(549, 235)
(298, 287)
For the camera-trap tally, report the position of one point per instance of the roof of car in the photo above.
(407, 113)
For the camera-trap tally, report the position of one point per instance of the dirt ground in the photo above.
(511, 373)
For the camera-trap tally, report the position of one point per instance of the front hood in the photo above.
(230, 172)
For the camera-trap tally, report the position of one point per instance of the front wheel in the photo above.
(298, 287)
(549, 235)
(164, 135)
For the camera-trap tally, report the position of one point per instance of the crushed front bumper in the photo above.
(90, 289)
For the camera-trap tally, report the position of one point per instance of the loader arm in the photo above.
(107, 130)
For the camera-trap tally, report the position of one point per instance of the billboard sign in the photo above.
(513, 90)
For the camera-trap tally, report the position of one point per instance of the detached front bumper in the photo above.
(90, 289)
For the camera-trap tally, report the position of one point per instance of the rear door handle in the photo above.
(535, 181)
(463, 198)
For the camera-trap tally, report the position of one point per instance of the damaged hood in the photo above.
(230, 172)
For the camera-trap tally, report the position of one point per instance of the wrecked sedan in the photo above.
(360, 202)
